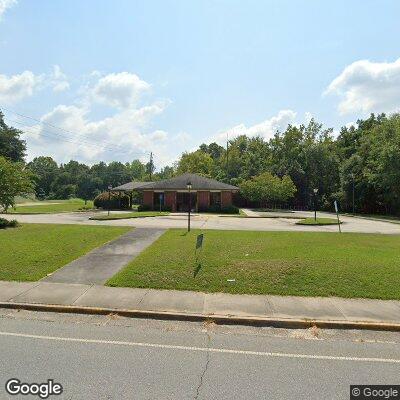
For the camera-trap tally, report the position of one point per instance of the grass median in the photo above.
(128, 215)
(31, 251)
(281, 263)
(319, 221)
(52, 207)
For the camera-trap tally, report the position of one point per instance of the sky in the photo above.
(115, 80)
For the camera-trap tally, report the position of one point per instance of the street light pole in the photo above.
(109, 198)
(189, 187)
(315, 204)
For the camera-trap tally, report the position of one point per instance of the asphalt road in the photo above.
(208, 221)
(109, 357)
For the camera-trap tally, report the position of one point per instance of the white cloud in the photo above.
(123, 136)
(58, 80)
(265, 129)
(368, 87)
(16, 87)
(121, 90)
(20, 86)
(6, 4)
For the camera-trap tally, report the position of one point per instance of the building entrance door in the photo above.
(182, 201)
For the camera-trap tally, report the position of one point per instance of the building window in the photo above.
(215, 199)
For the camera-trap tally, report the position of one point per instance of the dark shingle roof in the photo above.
(130, 186)
(179, 183)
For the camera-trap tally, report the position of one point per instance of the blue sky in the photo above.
(165, 76)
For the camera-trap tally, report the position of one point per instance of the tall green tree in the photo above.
(267, 188)
(15, 180)
(88, 187)
(12, 146)
(197, 162)
(45, 170)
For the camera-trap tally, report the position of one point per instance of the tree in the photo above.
(166, 173)
(15, 180)
(88, 187)
(307, 154)
(117, 174)
(213, 149)
(11, 146)
(63, 186)
(137, 170)
(45, 170)
(267, 188)
(75, 170)
(197, 162)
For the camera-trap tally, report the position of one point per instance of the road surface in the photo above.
(208, 221)
(109, 357)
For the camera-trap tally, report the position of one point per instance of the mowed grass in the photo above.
(318, 221)
(51, 207)
(281, 263)
(137, 214)
(32, 251)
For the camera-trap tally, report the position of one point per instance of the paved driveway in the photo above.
(282, 223)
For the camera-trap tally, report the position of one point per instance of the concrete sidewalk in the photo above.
(100, 264)
(284, 311)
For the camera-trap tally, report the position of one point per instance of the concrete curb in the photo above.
(290, 323)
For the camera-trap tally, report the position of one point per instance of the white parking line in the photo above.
(203, 349)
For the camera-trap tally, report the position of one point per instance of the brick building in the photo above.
(174, 193)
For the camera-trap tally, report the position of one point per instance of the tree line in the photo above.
(362, 163)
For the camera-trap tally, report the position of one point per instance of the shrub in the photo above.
(5, 223)
(220, 210)
(229, 210)
(144, 207)
(112, 200)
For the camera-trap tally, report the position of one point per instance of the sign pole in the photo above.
(337, 215)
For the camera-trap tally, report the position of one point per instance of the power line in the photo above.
(40, 121)
(106, 146)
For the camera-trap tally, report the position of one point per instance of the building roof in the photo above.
(127, 187)
(180, 183)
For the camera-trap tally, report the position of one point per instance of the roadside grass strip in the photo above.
(351, 265)
(31, 251)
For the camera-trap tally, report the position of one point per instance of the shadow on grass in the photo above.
(197, 270)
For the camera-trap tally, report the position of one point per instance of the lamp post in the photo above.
(189, 187)
(315, 203)
(352, 177)
(109, 198)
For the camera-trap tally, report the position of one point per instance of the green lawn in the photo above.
(50, 207)
(318, 221)
(137, 214)
(31, 251)
(282, 263)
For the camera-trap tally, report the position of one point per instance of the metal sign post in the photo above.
(199, 245)
(198, 252)
(337, 215)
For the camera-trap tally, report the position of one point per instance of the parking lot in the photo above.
(267, 222)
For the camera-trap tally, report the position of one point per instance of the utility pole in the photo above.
(227, 156)
(352, 175)
(151, 166)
